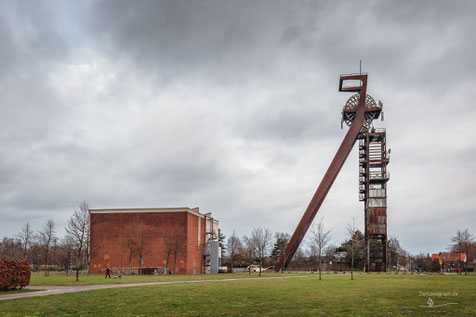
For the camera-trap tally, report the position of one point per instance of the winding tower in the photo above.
(358, 113)
(373, 178)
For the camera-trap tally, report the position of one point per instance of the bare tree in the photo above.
(66, 253)
(131, 247)
(172, 248)
(11, 248)
(26, 237)
(330, 254)
(319, 239)
(77, 231)
(36, 255)
(141, 247)
(299, 259)
(90, 254)
(177, 247)
(462, 242)
(250, 250)
(169, 249)
(394, 252)
(132, 243)
(261, 239)
(353, 245)
(233, 246)
(55, 253)
(176, 242)
(46, 238)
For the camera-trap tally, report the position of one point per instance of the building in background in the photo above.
(150, 240)
(450, 261)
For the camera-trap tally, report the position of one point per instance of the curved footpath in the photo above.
(57, 290)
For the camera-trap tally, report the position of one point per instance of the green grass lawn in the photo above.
(336, 295)
(39, 279)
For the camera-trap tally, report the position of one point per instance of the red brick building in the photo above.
(450, 261)
(162, 239)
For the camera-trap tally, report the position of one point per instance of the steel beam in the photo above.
(332, 171)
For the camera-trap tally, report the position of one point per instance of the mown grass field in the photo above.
(335, 295)
(38, 278)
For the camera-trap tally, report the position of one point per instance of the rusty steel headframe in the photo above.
(332, 171)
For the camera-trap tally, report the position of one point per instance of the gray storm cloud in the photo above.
(233, 107)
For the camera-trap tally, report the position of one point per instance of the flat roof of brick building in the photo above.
(194, 211)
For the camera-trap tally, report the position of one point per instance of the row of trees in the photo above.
(43, 247)
(261, 248)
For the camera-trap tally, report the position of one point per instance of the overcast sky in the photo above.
(233, 106)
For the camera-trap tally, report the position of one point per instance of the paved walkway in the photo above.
(56, 290)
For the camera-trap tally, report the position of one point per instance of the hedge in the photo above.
(14, 274)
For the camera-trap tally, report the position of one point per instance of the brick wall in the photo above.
(161, 232)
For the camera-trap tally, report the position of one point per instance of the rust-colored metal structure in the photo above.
(373, 177)
(358, 113)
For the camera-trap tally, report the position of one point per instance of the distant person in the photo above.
(108, 272)
(457, 270)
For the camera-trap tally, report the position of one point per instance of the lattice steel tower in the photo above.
(373, 178)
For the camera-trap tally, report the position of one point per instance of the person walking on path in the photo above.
(108, 272)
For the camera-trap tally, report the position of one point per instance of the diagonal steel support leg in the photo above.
(332, 171)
